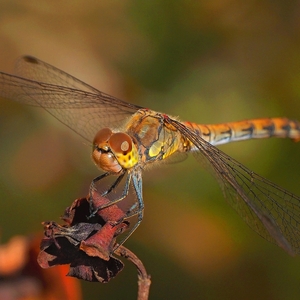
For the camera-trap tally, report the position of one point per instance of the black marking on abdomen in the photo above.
(270, 128)
(249, 130)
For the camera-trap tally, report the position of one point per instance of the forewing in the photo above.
(81, 107)
(270, 210)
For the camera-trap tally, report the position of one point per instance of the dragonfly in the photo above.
(127, 138)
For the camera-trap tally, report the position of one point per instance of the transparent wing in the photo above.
(271, 211)
(76, 104)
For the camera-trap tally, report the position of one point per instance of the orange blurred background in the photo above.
(205, 61)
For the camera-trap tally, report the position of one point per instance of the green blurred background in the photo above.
(205, 61)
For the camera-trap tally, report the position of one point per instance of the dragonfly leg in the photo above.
(93, 188)
(136, 209)
(113, 186)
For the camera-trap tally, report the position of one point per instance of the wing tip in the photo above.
(30, 59)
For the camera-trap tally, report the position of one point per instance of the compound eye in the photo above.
(102, 136)
(120, 143)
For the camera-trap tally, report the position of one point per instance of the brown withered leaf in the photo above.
(86, 244)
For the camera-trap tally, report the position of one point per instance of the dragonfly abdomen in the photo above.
(217, 134)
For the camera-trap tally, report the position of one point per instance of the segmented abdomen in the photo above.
(217, 134)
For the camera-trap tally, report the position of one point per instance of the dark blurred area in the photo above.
(205, 61)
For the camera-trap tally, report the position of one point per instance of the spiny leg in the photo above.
(113, 186)
(136, 209)
(92, 189)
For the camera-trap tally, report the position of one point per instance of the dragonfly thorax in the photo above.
(113, 152)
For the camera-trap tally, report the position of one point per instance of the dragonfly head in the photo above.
(114, 152)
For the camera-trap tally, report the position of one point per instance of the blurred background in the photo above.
(205, 61)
